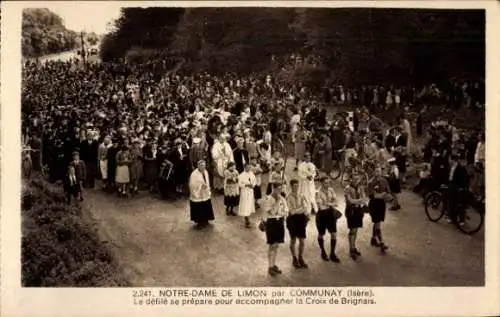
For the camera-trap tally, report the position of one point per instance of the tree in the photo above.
(355, 45)
(43, 32)
(150, 28)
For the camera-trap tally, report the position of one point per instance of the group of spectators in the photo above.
(141, 128)
(158, 126)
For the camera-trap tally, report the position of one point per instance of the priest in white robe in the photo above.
(307, 172)
(222, 154)
(247, 182)
(200, 196)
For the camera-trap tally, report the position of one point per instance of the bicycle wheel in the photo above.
(473, 220)
(434, 206)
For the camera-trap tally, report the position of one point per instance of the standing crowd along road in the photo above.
(202, 135)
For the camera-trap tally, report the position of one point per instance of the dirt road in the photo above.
(157, 246)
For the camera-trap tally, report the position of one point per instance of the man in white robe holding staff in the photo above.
(307, 173)
(222, 154)
(200, 203)
(247, 183)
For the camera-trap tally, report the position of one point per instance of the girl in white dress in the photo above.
(246, 182)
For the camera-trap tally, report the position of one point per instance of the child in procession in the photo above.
(231, 189)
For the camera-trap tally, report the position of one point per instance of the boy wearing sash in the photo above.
(379, 191)
(296, 223)
(327, 217)
(356, 200)
(275, 209)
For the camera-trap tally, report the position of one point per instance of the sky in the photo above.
(81, 16)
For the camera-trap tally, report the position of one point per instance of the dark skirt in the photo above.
(257, 192)
(296, 225)
(401, 163)
(269, 189)
(354, 216)
(394, 185)
(231, 201)
(377, 209)
(150, 171)
(275, 231)
(202, 211)
(325, 220)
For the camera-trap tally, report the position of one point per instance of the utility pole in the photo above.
(84, 53)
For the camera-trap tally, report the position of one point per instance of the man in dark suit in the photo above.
(71, 185)
(80, 172)
(88, 152)
(458, 189)
(240, 155)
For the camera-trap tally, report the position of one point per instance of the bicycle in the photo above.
(472, 209)
(359, 168)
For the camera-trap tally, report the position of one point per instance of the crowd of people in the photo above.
(202, 135)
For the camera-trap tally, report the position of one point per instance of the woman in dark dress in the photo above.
(112, 151)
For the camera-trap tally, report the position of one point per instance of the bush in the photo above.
(59, 247)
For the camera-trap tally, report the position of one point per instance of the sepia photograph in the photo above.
(252, 147)
(249, 158)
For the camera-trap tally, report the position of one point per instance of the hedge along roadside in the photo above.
(60, 243)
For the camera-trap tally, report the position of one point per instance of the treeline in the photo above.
(43, 33)
(355, 45)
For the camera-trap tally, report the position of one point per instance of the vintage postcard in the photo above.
(250, 158)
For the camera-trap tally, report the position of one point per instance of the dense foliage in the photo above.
(43, 33)
(357, 45)
(59, 246)
(149, 28)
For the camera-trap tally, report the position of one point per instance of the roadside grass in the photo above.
(60, 243)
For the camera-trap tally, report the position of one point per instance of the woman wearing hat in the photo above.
(327, 217)
(123, 160)
(356, 200)
(103, 159)
(136, 167)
